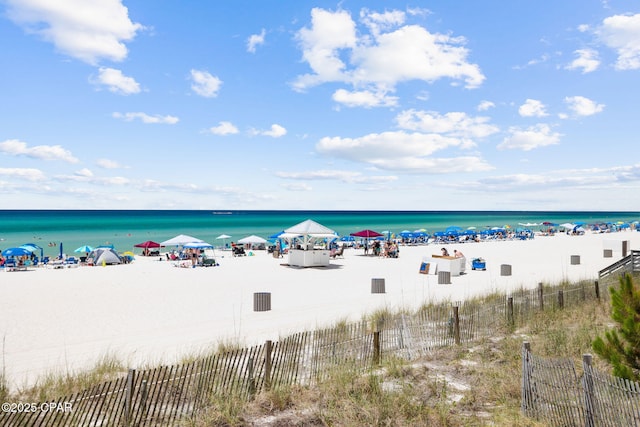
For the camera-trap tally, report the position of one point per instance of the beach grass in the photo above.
(470, 384)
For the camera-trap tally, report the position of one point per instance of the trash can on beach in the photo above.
(478, 264)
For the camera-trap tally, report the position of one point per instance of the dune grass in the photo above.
(473, 384)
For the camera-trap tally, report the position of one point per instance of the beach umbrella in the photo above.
(61, 253)
(368, 234)
(85, 248)
(251, 240)
(148, 244)
(33, 247)
(16, 252)
(567, 225)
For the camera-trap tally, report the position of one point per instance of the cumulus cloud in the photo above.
(377, 60)
(255, 40)
(204, 84)
(485, 105)
(15, 147)
(402, 151)
(276, 131)
(146, 118)
(530, 138)
(622, 34)
(224, 128)
(582, 106)
(337, 175)
(364, 98)
(452, 123)
(28, 174)
(116, 82)
(109, 164)
(88, 30)
(532, 108)
(587, 61)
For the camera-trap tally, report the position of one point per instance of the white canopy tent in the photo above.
(302, 239)
(251, 240)
(180, 240)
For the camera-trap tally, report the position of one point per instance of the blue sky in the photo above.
(503, 105)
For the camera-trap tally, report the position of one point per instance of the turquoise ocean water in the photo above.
(124, 229)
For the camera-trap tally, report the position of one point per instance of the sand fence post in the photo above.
(456, 324)
(597, 286)
(378, 286)
(252, 380)
(128, 396)
(268, 345)
(541, 296)
(587, 385)
(262, 301)
(510, 318)
(376, 348)
(560, 299)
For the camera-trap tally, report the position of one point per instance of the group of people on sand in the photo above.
(456, 253)
(387, 250)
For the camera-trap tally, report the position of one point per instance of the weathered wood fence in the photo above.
(165, 395)
(552, 392)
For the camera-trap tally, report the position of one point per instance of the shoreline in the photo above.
(150, 312)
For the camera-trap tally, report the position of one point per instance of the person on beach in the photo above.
(458, 254)
(445, 252)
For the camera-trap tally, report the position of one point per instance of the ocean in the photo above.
(125, 228)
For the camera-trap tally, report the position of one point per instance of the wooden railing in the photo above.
(628, 264)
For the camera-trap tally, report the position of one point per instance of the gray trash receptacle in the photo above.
(444, 277)
(575, 259)
(505, 270)
(262, 301)
(377, 286)
(608, 253)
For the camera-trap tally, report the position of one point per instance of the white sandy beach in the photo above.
(148, 312)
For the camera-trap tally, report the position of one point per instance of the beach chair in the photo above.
(338, 253)
(10, 264)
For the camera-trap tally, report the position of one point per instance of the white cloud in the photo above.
(89, 30)
(109, 164)
(531, 138)
(337, 175)
(452, 123)
(23, 174)
(532, 108)
(402, 151)
(255, 40)
(337, 51)
(297, 186)
(146, 118)
(224, 128)
(15, 147)
(582, 106)
(116, 81)
(204, 84)
(364, 98)
(622, 33)
(84, 172)
(587, 61)
(276, 131)
(485, 105)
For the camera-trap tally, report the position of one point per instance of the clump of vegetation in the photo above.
(621, 347)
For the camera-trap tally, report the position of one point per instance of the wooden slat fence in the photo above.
(164, 395)
(552, 392)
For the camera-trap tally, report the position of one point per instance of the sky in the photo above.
(317, 105)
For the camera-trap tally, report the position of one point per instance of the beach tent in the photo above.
(180, 240)
(106, 256)
(16, 252)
